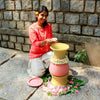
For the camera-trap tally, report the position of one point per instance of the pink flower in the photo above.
(57, 88)
(60, 90)
(49, 78)
(48, 92)
(73, 77)
(71, 82)
(68, 81)
(76, 91)
(48, 81)
(68, 87)
(48, 86)
(42, 86)
(75, 86)
(55, 93)
(64, 89)
(61, 86)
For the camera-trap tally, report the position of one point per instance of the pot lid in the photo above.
(35, 82)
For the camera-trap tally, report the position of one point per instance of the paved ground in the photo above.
(13, 79)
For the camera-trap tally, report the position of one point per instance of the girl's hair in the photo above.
(41, 9)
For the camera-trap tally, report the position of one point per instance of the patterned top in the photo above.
(36, 35)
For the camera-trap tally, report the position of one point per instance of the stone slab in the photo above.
(5, 55)
(93, 52)
(90, 91)
(14, 77)
(13, 80)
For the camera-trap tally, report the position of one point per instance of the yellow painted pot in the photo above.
(59, 81)
(59, 50)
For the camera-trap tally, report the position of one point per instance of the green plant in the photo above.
(45, 77)
(81, 56)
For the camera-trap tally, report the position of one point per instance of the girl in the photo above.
(40, 35)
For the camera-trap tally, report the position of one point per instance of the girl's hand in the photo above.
(54, 39)
(50, 41)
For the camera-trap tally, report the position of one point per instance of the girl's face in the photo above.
(42, 17)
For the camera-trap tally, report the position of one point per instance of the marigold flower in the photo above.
(36, 13)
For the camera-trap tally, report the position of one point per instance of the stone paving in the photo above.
(13, 79)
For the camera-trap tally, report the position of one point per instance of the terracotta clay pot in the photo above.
(59, 50)
(59, 69)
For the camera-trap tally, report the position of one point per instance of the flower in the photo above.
(77, 84)
(55, 93)
(71, 82)
(75, 87)
(76, 91)
(64, 89)
(68, 87)
(48, 92)
(49, 78)
(36, 13)
(72, 86)
(60, 90)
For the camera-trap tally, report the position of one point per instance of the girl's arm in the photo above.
(46, 41)
(50, 40)
(34, 38)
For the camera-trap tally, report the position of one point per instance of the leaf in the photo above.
(78, 88)
(72, 90)
(50, 94)
(80, 82)
(67, 91)
(80, 56)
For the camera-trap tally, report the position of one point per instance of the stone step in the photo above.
(14, 77)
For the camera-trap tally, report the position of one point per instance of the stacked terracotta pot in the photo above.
(59, 67)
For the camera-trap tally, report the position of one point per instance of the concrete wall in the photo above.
(73, 21)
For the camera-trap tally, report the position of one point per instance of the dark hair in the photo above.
(41, 9)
